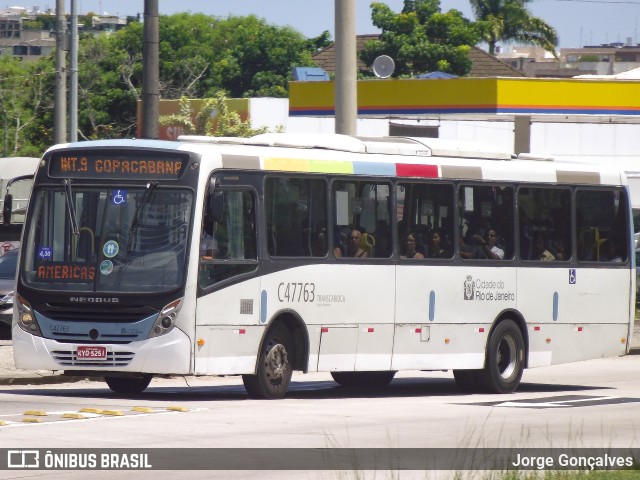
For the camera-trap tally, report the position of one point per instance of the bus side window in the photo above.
(235, 235)
(602, 234)
(485, 208)
(426, 213)
(544, 221)
(296, 216)
(366, 208)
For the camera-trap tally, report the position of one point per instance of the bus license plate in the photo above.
(91, 352)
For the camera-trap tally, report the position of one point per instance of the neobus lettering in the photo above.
(294, 292)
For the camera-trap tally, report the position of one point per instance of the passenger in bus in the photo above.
(610, 252)
(540, 250)
(436, 247)
(382, 236)
(208, 244)
(353, 248)
(560, 252)
(411, 247)
(319, 247)
(488, 244)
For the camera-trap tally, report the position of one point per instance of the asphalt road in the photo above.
(586, 404)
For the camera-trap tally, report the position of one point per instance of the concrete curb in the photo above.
(10, 375)
(45, 379)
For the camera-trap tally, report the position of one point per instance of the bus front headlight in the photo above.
(26, 317)
(166, 320)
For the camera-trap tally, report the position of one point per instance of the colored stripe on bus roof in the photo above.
(413, 170)
(348, 168)
(592, 178)
(373, 168)
(300, 165)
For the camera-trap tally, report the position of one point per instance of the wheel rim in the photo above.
(276, 363)
(507, 358)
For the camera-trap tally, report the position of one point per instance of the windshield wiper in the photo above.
(71, 209)
(151, 186)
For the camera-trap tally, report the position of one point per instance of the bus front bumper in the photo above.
(168, 354)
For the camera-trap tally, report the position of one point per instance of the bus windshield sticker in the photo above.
(71, 272)
(110, 249)
(45, 253)
(106, 267)
(116, 166)
(118, 197)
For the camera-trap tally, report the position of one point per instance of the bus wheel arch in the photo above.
(519, 320)
(282, 350)
(505, 354)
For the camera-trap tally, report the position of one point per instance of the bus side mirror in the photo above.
(7, 209)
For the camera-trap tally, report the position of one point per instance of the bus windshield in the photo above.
(102, 239)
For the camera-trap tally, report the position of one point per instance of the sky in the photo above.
(578, 22)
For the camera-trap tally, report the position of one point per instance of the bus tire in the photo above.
(128, 385)
(504, 363)
(468, 380)
(363, 379)
(273, 375)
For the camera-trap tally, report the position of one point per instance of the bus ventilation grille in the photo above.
(106, 314)
(68, 358)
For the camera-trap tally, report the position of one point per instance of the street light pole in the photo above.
(151, 71)
(60, 96)
(73, 88)
(346, 90)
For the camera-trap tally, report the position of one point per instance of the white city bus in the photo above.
(358, 257)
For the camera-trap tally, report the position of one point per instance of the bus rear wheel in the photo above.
(128, 385)
(363, 379)
(504, 364)
(273, 375)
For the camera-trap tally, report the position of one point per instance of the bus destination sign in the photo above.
(71, 164)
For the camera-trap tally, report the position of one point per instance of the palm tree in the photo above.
(511, 20)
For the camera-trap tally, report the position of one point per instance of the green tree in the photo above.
(252, 48)
(213, 119)
(25, 98)
(421, 38)
(590, 57)
(510, 20)
(316, 44)
(200, 55)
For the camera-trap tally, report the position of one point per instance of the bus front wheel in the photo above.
(128, 385)
(273, 374)
(363, 379)
(468, 380)
(505, 359)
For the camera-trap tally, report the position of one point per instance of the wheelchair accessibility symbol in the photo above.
(572, 276)
(118, 197)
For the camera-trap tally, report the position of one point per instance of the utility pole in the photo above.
(346, 89)
(73, 87)
(60, 97)
(151, 71)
